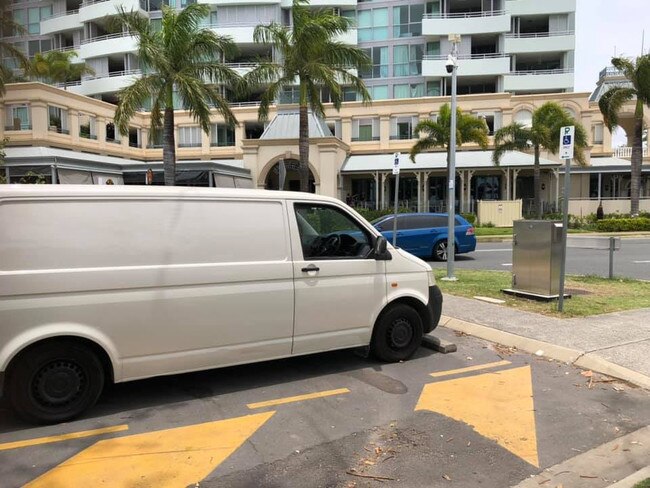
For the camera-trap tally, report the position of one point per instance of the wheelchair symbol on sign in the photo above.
(566, 140)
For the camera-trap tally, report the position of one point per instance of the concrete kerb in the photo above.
(508, 238)
(582, 359)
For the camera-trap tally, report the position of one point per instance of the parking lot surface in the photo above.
(631, 261)
(483, 416)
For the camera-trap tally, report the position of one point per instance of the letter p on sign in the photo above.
(567, 141)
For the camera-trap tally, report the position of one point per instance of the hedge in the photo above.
(623, 225)
(470, 217)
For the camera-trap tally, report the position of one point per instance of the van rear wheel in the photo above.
(54, 382)
(397, 335)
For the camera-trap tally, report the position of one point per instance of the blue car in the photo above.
(425, 234)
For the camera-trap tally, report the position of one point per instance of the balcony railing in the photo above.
(61, 14)
(558, 71)
(610, 71)
(19, 127)
(626, 152)
(68, 83)
(434, 57)
(113, 74)
(464, 15)
(363, 139)
(106, 37)
(535, 35)
(64, 49)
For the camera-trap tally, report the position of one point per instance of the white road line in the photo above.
(506, 264)
(493, 250)
(640, 262)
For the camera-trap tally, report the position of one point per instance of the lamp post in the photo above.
(452, 67)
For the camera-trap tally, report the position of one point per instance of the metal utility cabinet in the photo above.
(536, 258)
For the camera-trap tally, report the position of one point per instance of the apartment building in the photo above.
(517, 46)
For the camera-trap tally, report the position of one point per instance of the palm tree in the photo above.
(180, 57)
(57, 67)
(7, 49)
(438, 133)
(311, 56)
(544, 133)
(638, 74)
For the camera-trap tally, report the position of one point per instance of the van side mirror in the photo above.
(380, 250)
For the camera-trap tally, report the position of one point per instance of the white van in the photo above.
(117, 283)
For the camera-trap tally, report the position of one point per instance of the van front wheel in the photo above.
(54, 382)
(397, 335)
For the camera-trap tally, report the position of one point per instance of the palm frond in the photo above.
(133, 97)
(611, 102)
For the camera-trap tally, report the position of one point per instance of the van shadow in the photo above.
(134, 398)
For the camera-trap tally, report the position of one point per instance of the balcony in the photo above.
(488, 22)
(535, 7)
(540, 42)
(625, 152)
(96, 47)
(109, 82)
(61, 22)
(538, 80)
(240, 33)
(92, 10)
(492, 64)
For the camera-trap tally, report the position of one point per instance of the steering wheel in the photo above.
(329, 244)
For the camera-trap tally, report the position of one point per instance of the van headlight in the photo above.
(432, 278)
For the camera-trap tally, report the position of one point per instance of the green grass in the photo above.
(493, 231)
(643, 484)
(591, 295)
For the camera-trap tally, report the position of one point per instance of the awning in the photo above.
(364, 163)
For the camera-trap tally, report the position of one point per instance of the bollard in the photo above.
(611, 257)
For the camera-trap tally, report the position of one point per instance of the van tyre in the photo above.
(397, 335)
(54, 382)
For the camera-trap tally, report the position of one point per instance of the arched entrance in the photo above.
(292, 178)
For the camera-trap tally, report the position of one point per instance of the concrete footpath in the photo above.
(615, 344)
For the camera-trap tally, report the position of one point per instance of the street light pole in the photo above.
(452, 67)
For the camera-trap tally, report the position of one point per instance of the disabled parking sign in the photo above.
(567, 141)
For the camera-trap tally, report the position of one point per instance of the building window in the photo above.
(222, 135)
(38, 46)
(378, 92)
(189, 137)
(290, 95)
(524, 117)
(58, 120)
(349, 94)
(408, 90)
(87, 129)
(403, 127)
(17, 117)
(492, 120)
(373, 25)
(379, 57)
(113, 135)
(433, 7)
(407, 20)
(433, 48)
(407, 60)
(433, 88)
(598, 133)
(335, 127)
(365, 129)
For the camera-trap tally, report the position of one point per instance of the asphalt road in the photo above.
(631, 261)
(478, 417)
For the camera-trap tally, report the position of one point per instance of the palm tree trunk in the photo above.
(303, 147)
(537, 203)
(169, 147)
(636, 160)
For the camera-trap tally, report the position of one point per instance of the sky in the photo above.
(605, 27)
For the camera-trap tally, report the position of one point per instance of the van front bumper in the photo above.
(434, 307)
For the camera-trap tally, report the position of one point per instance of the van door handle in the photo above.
(309, 268)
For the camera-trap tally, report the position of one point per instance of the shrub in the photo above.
(371, 215)
(488, 224)
(623, 224)
(470, 217)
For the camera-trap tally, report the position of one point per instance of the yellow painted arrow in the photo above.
(498, 405)
(172, 458)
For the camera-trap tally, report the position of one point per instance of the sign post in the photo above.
(567, 139)
(396, 173)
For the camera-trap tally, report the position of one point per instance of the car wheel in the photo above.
(440, 251)
(54, 382)
(397, 334)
